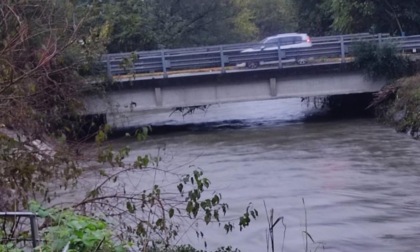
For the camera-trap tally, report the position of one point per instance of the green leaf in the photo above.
(224, 210)
(206, 182)
(171, 212)
(180, 187)
(189, 207)
(131, 208)
(216, 215)
(185, 179)
(207, 218)
(141, 231)
(228, 227)
(76, 224)
(160, 223)
(215, 200)
(252, 214)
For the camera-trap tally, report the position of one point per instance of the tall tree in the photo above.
(153, 24)
(273, 16)
(392, 16)
(312, 16)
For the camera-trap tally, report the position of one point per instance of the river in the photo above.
(360, 180)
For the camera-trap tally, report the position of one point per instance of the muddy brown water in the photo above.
(360, 180)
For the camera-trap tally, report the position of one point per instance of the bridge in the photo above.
(167, 79)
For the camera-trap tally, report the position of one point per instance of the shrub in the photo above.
(79, 233)
(382, 61)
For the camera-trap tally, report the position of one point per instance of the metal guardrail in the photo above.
(162, 63)
(349, 37)
(33, 223)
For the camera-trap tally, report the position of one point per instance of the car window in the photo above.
(286, 40)
(297, 39)
(270, 41)
(282, 41)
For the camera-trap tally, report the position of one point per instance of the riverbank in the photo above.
(398, 105)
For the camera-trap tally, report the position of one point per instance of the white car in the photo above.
(286, 41)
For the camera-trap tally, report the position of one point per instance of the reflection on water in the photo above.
(360, 180)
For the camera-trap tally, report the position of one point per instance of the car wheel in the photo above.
(252, 64)
(302, 61)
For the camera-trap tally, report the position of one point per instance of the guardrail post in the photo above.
(34, 230)
(380, 39)
(108, 67)
(279, 54)
(343, 52)
(165, 72)
(222, 60)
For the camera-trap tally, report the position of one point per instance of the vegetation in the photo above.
(343, 16)
(45, 46)
(399, 104)
(153, 24)
(382, 61)
(64, 230)
(77, 232)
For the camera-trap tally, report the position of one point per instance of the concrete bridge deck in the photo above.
(184, 91)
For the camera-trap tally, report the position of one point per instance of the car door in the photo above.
(287, 42)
